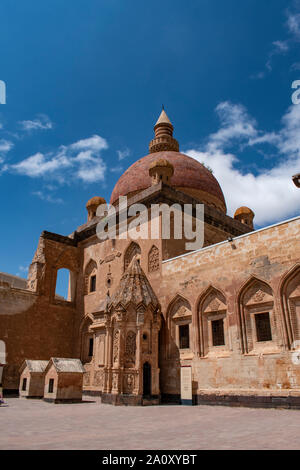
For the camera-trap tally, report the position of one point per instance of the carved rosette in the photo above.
(259, 296)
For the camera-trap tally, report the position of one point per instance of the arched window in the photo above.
(133, 250)
(290, 296)
(65, 289)
(179, 323)
(90, 277)
(213, 322)
(257, 317)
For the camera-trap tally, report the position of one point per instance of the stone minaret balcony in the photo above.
(164, 139)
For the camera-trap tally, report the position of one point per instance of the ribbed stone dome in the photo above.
(190, 177)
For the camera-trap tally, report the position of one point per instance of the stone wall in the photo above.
(233, 280)
(33, 323)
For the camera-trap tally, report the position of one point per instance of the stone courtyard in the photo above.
(34, 424)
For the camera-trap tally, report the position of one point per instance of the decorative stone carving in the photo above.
(214, 305)
(153, 259)
(98, 378)
(115, 381)
(128, 383)
(116, 346)
(259, 296)
(86, 379)
(258, 293)
(130, 349)
(183, 311)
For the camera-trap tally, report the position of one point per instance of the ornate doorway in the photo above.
(146, 379)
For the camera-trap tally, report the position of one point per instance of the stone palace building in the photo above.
(140, 310)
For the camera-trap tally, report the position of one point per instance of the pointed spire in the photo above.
(164, 139)
(163, 118)
(134, 287)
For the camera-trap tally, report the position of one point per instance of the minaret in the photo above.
(164, 139)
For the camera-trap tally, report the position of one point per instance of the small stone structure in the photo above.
(63, 380)
(32, 379)
(130, 321)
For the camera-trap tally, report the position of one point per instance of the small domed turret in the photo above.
(245, 216)
(92, 206)
(161, 170)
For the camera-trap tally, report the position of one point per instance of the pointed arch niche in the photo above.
(153, 259)
(87, 340)
(213, 323)
(132, 250)
(179, 324)
(259, 326)
(290, 296)
(90, 277)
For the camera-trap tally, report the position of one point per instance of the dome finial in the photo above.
(164, 139)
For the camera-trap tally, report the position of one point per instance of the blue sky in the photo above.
(85, 83)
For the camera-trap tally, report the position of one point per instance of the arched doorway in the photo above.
(146, 379)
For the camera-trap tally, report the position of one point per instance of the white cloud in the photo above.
(80, 160)
(270, 193)
(92, 172)
(293, 24)
(47, 197)
(281, 46)
(123, 153)
(41, 122)
(40, 165)
(116, 169)
(95, 143)
(5, 146)
(236, 124)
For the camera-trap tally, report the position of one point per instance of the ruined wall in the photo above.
(33, 323)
